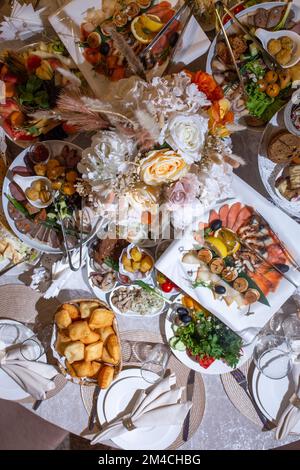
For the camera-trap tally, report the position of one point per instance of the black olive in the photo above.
(173, 38)
(186, 319)
(220, 289)
(104, 48)
(283, 268)
(216, 224)
(182, 311)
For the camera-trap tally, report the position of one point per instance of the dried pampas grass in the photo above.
(132, 59)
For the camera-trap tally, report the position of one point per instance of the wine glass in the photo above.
(272, 356)
(155, 363)
(31, 349)
(291, 328)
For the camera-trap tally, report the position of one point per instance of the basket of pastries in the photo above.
(86, 342)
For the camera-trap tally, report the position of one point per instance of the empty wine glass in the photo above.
(272, 356)
(9, 334)
(291, 328)
(31, 349)
(155, 363)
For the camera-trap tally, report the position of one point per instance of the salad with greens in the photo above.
(205, 339)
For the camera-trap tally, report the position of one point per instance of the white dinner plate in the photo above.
(217, 367)
(272, 396)
(131, 313)
(116, 398)
(9, 389)
(56, 147)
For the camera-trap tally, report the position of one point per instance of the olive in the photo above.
(186, 319)
(182, 311)
(173, 38)
(216, 224)
(220, 289)
(283, 268)
(104, 48)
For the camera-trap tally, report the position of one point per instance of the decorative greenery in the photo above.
(33, 93)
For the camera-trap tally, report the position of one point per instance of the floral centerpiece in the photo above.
(173, 153)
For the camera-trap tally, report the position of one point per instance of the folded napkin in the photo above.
(291, 414)
(32, 376)
(159, 405)
(61, 272)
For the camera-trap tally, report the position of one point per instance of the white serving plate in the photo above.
(115, 399)
(57, 146)
(130, 313)
(9, 389)
(270, 171)
(231, 27)
(288, 231)
(66, 22)
(217, 367)
(272, 396)
(100, 294)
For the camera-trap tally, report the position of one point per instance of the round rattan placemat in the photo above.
(180, 370)
(238, 397)
(21, 303)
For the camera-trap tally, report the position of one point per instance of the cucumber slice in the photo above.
(173, 341)
(179, 346)
(175, 327)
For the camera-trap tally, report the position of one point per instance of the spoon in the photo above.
(25, 182)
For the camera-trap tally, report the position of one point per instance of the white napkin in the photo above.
(291, 414)
(158, 405)
(61, 272)
(32, 376)
(22, 23)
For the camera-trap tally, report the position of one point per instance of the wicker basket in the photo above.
(61, 359)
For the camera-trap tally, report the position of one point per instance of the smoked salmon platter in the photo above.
(234, 261)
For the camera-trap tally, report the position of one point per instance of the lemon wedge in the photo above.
(151, 23)
(228, 237)
(217, 245)
(139, 31)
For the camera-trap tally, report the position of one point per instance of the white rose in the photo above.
(186, 135)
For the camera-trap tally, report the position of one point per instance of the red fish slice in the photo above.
(223, 212)
(213, 216)
(244, 214)
(233, 214)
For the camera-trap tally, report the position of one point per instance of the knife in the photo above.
(93, 416)
(189, 396)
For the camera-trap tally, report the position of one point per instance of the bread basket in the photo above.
(61, 360)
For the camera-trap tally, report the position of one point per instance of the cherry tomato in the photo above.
(262, 85)
(235, 10)
(167, 286)
(273, 90)
(205, 361)
(271, 77)
(92, 56)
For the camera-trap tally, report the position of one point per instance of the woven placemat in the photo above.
(21, 303)
(238, 397)
(180, 370)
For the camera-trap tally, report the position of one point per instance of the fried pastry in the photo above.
(86, 308)
(70, 369)
(100, 318)
(73, 311)
(91, 338)
(93, 351)
(63, 319)
(83, 369)
(61, 343)
(74, 351)
(112, 346)
(96, 366)
(79, 330)
(105, 376)
(105, 332)
(106, 357)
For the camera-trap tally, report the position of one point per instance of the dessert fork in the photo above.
(241, 379)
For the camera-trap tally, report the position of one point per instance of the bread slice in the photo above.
(283, 147)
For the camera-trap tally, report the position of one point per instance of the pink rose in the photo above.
(184, 191)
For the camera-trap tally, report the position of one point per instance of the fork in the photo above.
(241, 379)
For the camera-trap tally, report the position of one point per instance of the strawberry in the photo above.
(8, 108)
(33, 62)
(54, 63)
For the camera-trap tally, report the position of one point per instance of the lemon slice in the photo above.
(140, 32)
(217, 245)
(228, 237)
(151, 22)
